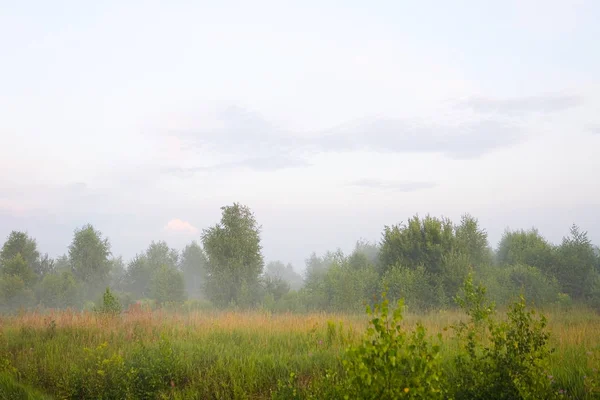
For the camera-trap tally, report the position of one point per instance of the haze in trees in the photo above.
(424, 261)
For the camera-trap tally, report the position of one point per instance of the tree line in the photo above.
(424, 260)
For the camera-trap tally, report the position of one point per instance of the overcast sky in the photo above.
(329, 119)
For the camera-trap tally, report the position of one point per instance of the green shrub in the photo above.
(500, 360)
(417, 287)
(110, 304)
(564, 302)
(390, 363)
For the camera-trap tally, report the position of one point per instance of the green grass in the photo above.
(224, 355)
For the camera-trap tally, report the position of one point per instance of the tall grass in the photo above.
(223, 355)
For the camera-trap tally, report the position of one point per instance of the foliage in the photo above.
(14, 293)
(234, 254)
(58, 290)
(110, 304)
(18, 267)
(88, 256)
(527, 248)
(193, 266)
(415, 286)
(420, 242)
(167, 286)
(500, 360)
(472, 241)
(278, 270)
(390, 363)
(20, 243)
(576, 263)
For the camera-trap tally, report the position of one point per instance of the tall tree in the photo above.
(17, 266)
(234, 254)
(576, 263)
(88, 256)
(167, 286)
(278, 270)
(21, 243)
(141, 270)
(472, 241)
(160, 254)
(420, 242)
(193, 266)
(528, 248)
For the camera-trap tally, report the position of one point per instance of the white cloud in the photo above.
(178, 226)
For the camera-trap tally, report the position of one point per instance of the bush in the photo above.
(110, 304)
(500, 360)
(390, 363)
(507, 284)
(417, 287)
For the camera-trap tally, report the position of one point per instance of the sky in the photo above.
(329, 119)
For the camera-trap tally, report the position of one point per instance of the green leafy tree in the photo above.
(160, 254)
(88, 257)
(416, 287)
(141, 270)
(58, 290)
(234, 254)
(21, 243)
(193, 266)
(118, 273)
(528, 248)
(167, 286)
(17, 266)
(138, 276)
(576, 263)
(14, 293)
(420, 242)
(278, 270)
(472, 241)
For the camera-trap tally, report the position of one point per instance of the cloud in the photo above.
(393, 185)
(273, 163)
(178, 226)
(234, 130)
(466, 140)
(523, 105)
(240, 132)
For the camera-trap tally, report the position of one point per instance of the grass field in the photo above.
(222, 355)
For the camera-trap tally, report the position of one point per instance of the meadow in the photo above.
(151, 354)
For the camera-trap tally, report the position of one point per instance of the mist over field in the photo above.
(201, 200)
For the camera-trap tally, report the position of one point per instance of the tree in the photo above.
(88, 256)
(14, 293)
(138, 276)
(193, 266)
(17, 266)
(472, 240)
(58, 290)
(576, 263)
(167, 286)
(278, 270)
(141, 270)
(21, 243)
(420, 242)
(528, 248)
(234, 254)
(159, 254)
(117, 273)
